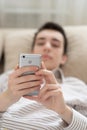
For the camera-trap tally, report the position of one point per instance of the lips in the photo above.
(46, 56)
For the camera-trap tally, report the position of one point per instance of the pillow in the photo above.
(77, 51)
(17, 42)
(20, 42)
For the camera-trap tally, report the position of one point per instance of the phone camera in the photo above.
(23, 56)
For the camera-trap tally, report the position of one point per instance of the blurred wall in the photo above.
(32, 13)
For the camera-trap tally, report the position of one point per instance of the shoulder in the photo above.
(4, 80)
(74, 81)
(74, 84)
(5, 75)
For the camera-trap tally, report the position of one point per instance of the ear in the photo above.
(64, 59)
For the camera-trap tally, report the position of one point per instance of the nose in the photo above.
(47, 46)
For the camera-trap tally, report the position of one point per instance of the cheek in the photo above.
(36, 50)
(58, 57)
(58, 54)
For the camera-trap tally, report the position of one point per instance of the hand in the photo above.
(21, 85)
(52, 97)
(51, 94)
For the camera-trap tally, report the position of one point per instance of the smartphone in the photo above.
(30, 60)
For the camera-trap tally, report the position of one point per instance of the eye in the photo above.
(55, 45)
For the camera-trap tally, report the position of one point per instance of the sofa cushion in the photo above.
(77, 51)
(1, 43)
(16, 42)
(20, 41)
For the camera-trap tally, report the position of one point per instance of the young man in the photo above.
(58, 104)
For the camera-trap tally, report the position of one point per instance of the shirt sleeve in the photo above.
(75, 92)
(4, 84)
(79, 122)
(4, 80)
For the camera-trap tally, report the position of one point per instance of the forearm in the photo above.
(79, 122)
(66, 115)
(5, 102)
(74, 120)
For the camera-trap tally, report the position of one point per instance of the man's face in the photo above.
(50, 44)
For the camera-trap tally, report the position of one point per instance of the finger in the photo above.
(43, 72)
(43, 65)
(27, 78)
(16, 67)
(29, 90)
(48, 75)
(48, 87)
(51, 93)
(27, 85)
(35, 98)
(23, 70)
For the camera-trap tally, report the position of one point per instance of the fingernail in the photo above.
(35, 68)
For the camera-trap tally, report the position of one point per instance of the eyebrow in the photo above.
(41, 38)
(53, 39)
(56, 40)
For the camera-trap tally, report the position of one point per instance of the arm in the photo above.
(51, 96)
(18, 86)
(78, 90)
(79, 122)
(4, 101)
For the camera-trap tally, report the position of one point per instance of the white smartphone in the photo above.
(30, 60)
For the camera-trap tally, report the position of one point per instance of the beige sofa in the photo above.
(16, 41)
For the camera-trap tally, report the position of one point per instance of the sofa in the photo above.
(16, 41)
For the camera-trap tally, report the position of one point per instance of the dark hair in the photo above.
(55, 27)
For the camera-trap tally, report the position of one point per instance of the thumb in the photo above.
(16, 67)
(43, 65)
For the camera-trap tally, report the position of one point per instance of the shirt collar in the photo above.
(59, 75)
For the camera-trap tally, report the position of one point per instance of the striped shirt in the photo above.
(31, 115)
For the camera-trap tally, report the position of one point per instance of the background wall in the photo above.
(32, 13)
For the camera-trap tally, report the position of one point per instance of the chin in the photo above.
(49, 66)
